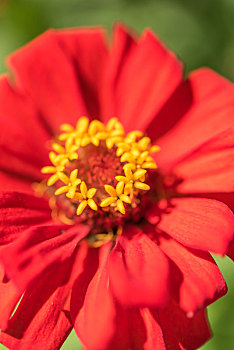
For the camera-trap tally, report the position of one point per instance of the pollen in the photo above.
(97, 168)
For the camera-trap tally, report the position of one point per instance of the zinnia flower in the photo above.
(135, 165)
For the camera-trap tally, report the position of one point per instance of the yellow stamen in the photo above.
(128, 188)
(125, 198)
(92, 204)
(91, 192)
(142, 157)
(144, 143)
(139, 173)
(81, 207)
(73, 175)
(141, 186)
(82, 125)
(149, 165)
(134, 151)
(52, 180)
(48, 170)
(63, 177)
(108, 201)
(77, 196)
(83, 189)
(111, 123)
(154, 148)
(127, 157)
(58, 148)
(66, 128)
(61, 190)
(110, 190)
(95, 126)
(119, 188)
(120, 206)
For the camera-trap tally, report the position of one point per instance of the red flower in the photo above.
(148, 287)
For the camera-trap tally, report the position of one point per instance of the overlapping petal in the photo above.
(87, 49)
(21, 153)
(133, 83)
(196, 280)
(94, 321)
(136, 329)
(45, 61)
(9, 296)
(198, 223)
(209, 112)
(209, 168)
(181, 332)
(42, 317)
(37, 249)
(20, 211)
(139, 271)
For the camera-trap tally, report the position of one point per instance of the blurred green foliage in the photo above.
(201, 32)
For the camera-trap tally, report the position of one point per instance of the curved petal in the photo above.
(181, 332)
(10, 182)
(94, 322)
(154, 333)
(19, 211)
(87, 48)
(130, 330)
(198, 223)
(211, 112)
(19, 108)
(123, 44)
(21, 153)
(209, 168)
(9, 296)
(147, 75)
(43, 69)
(41, 321)
(230, 252)
(136, 329)
(198, 281)
(37, 249)
(18, 153)
(138, 271)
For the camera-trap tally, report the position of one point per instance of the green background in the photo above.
(201, 32)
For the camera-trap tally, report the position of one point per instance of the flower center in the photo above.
(98, 174)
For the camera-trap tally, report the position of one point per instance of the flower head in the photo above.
(115, 180)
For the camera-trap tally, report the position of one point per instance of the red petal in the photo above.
(230, 252)
(198, 280)
(42, 320)
(136, 329)
(37, 249)
(13, 100)
(18, 211)
(94, 323)
(44, 70)
(197, 223)
(138, 271)
(210, 113)
(14, 183)
(154, 334)
(122, 45)
(88, 50)
(18, 153)
(181, 332)
(147, 74)
(9, 297)
(210, 168)
(21, 153)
